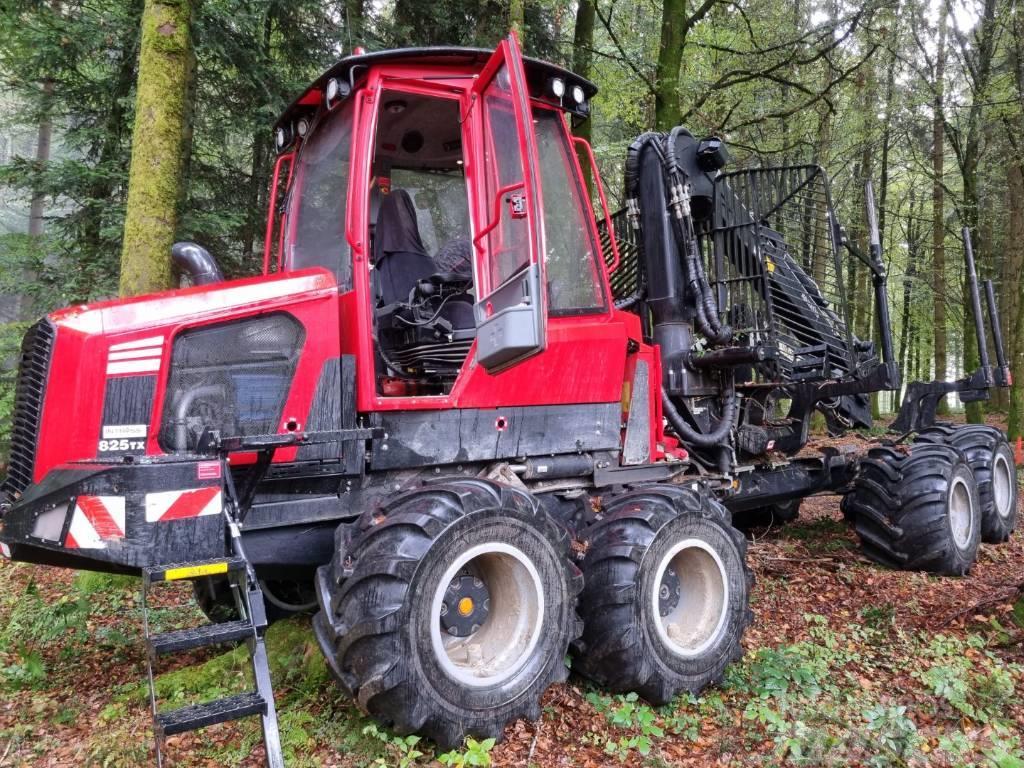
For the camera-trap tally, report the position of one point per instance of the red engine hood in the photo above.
(100, 342)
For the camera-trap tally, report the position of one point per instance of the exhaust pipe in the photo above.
(196, 262)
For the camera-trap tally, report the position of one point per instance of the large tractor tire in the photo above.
(774, 515)
(449, 610)
(991, 458)
(667, 594)
(283, 598)
(917, 507)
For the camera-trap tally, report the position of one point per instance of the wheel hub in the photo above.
(487, 614)
(1002, 487)
(465, 605)
(669, 592)
(961, 512)
(692, 598)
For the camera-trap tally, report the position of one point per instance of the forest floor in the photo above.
(846, 664)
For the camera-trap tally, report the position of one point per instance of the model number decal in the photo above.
(118, 431)
(121, 445)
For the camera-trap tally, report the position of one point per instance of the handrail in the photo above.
(496, 218)
(272, 209)
(580, 141)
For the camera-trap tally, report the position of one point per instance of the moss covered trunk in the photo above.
(161, 117)
(1015, 242)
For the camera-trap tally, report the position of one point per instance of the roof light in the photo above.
(578, 95)
(335, 90)
(282, 137)
(557, 86)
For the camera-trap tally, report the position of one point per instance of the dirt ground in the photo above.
(846, 663)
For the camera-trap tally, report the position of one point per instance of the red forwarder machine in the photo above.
(473, 429)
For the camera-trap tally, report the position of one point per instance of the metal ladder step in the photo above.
(199, 637)
(249, 627)
(196, 716)
(194, 570)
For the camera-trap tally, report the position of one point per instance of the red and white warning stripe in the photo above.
(95, 521)
(139, 356)
(179, 505)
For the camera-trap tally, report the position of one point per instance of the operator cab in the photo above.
(441, 187)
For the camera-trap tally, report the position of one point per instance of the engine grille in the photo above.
(33, 369)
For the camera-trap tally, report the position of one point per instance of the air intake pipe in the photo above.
(195, 261)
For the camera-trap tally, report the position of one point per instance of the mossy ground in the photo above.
(846, 664)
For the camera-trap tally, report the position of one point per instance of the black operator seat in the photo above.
(400, 259)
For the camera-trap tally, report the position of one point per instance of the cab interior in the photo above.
(421, 246)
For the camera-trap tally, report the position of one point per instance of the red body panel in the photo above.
(73, 408)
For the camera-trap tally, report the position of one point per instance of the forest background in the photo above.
(924, 97)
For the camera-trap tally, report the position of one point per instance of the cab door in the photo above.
(508, 237)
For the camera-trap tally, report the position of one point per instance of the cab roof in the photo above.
(351, 68)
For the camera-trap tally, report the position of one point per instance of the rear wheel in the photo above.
(666, 595)
(450, 610)
(991, 458)
(916, 507)
(771, 515)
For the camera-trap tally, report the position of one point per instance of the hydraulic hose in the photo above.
(686, 239)
(730, 410)
(632, 173)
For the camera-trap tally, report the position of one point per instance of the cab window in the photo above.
(574, 282)
(316, 206)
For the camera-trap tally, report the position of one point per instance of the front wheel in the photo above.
(666, 596)
(450, 610)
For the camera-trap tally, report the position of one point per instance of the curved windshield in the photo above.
(317, 202)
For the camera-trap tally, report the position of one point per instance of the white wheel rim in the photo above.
(509, 634)
(961, 512)
(695, 622)
(1002, 486)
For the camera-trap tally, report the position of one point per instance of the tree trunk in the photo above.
(517, 17)
(355, 11)
(862, 292)
(155, 177)
(257, 176)
(44, 135)
(582, 58)
(670, 57)
(909, 276)
(1015, 245)
(970, 159)
(938, 215)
